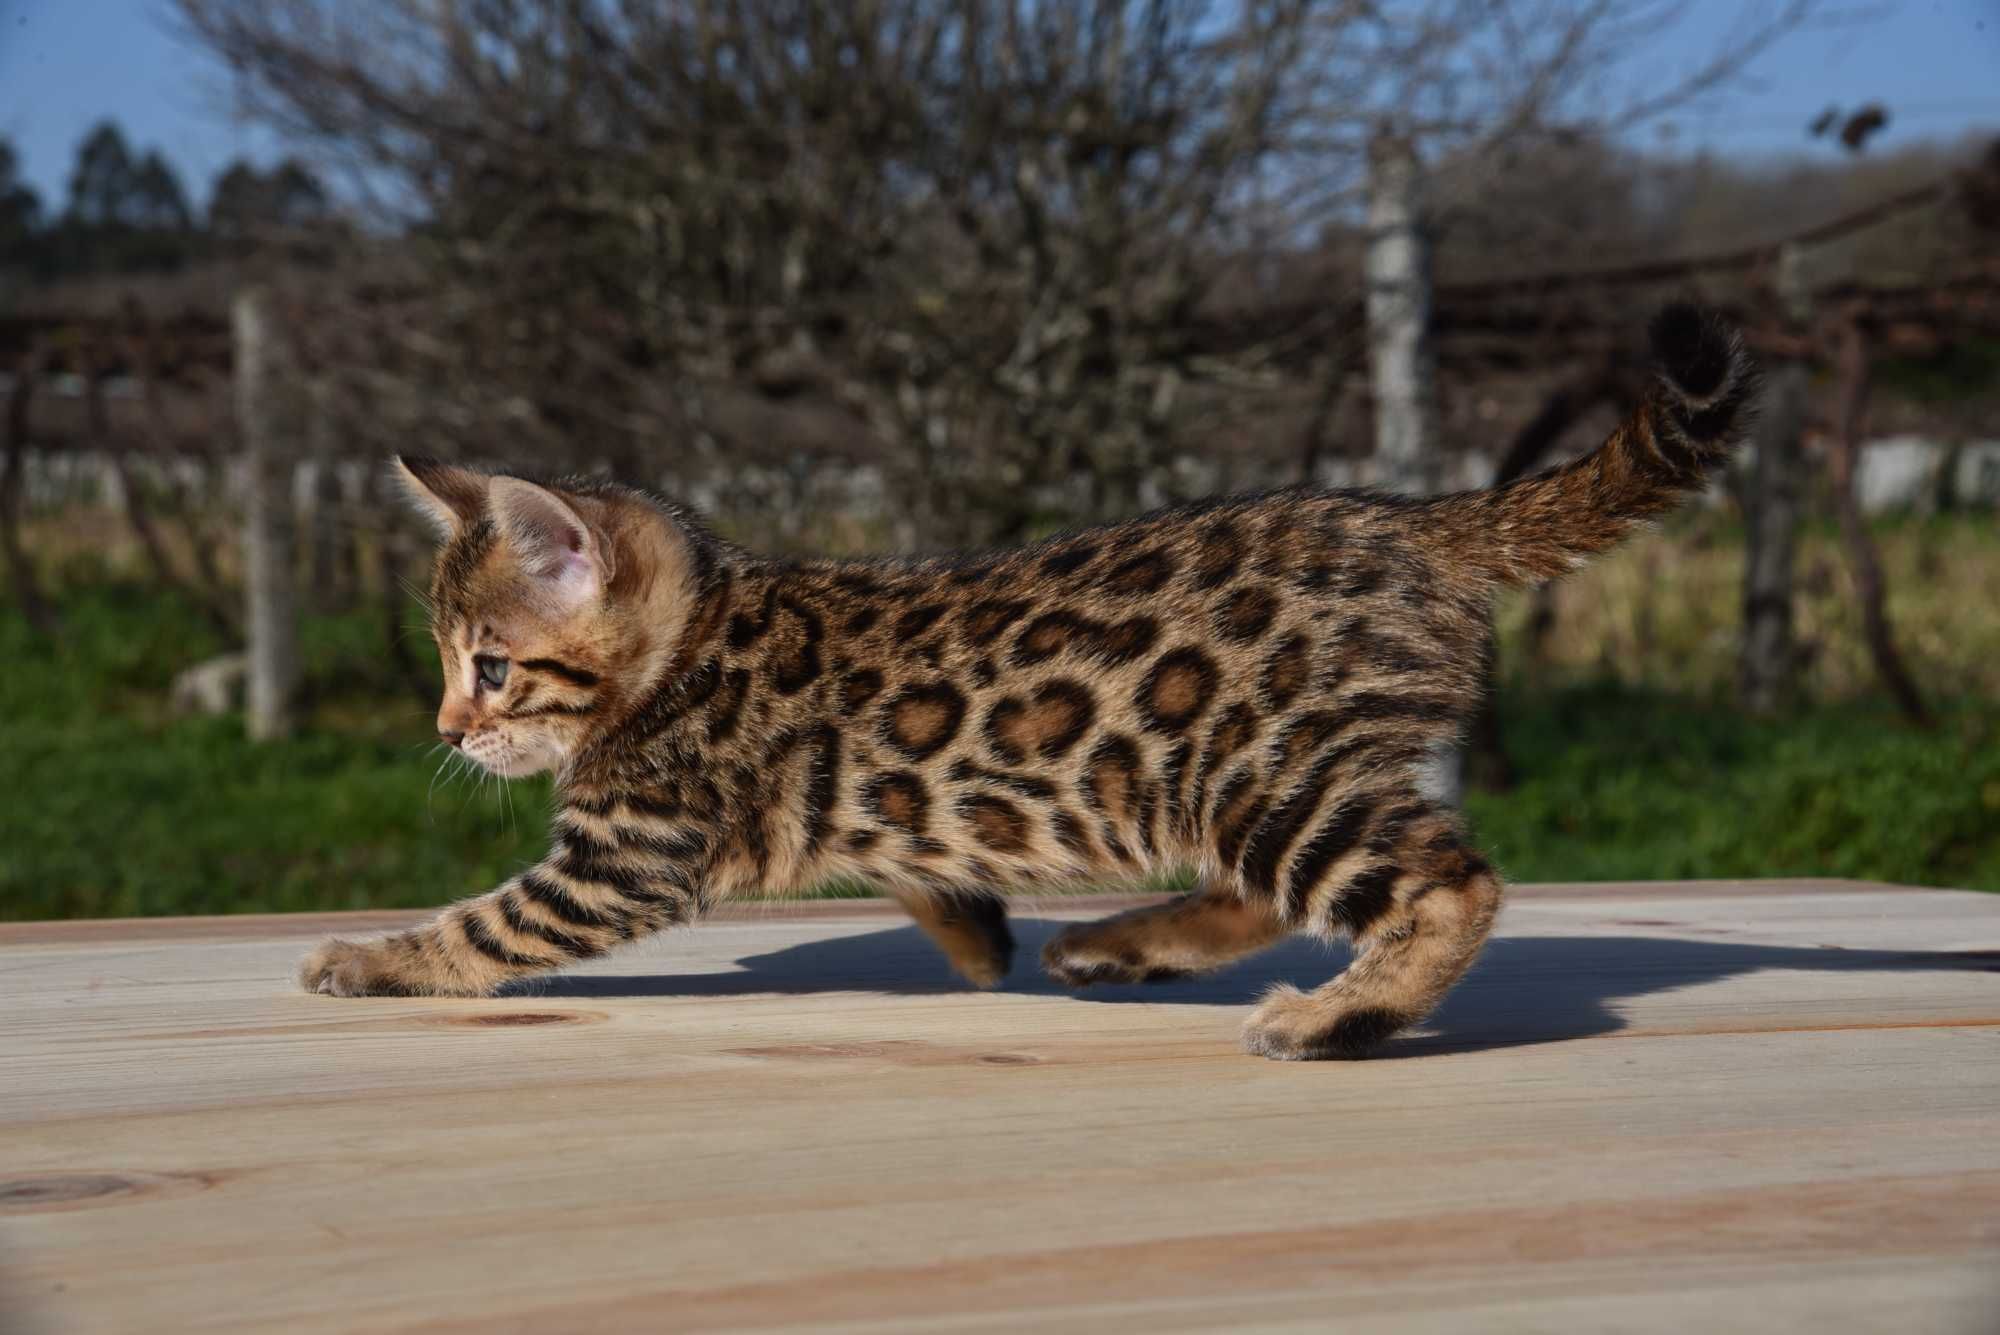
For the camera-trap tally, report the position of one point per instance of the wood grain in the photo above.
(1662, 1107)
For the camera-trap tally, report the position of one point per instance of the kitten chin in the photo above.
(516, 762)
(519, 767)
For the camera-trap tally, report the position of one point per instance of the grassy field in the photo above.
(1630, 761)
(1624, 783)
(1663, 611)
(122, 809)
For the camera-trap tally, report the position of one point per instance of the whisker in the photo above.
(430, 811)
(420, 596)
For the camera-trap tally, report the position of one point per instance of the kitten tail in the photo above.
(1701, 406)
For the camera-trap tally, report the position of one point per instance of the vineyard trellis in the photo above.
(1585, 319)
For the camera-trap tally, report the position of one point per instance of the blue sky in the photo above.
(65, 64)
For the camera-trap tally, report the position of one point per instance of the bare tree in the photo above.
(974, 243)
(1773, 498)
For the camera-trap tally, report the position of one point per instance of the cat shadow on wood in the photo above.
(1525, 989)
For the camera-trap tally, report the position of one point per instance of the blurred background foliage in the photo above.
(1631, 760)
(909, 275)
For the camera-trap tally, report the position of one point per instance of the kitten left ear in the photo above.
(452, 498)
(551, 539)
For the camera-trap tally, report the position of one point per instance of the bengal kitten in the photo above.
(1249, 686)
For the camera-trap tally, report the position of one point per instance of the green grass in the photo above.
(1622, 783)
(118, 808)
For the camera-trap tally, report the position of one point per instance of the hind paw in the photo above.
(1290, 1025)
(1079, 957)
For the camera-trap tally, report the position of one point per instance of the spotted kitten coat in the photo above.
(1248, 686)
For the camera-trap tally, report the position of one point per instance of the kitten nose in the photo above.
(451, 738)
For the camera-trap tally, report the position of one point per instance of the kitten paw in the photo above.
(354, 969)
(1079, 957)
(977, 940)
(1290, 1025)
(982, 971)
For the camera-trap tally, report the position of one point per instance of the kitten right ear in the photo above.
(452, 498)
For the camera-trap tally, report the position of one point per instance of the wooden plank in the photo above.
(1649, 1108)
(242, 926)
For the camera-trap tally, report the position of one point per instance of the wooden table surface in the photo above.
(1718, 1106)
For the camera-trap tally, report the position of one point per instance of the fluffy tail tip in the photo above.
(1698, 353)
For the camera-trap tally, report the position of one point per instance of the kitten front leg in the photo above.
(396, 966)
(466, 951)
(601, 885)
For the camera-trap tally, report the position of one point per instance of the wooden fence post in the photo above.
(1402, 364)
(269, 530)
(1402, 368)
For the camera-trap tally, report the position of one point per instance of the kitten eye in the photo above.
(492, 671)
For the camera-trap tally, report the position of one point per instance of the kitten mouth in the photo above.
(506, 760)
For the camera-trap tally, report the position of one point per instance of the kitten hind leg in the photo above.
(1419, 919)
(1193, 934)
(970, 927)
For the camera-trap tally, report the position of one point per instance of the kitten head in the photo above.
(535, 609)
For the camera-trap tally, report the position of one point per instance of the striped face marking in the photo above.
(519, 701)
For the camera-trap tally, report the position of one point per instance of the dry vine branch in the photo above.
(1851, 361)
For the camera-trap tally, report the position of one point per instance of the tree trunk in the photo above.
(1319, 426)
(269, 535)
(329, 559)
(1852, 361)
(390, 585)
(1772, 498)
(1767, 663)
(13, 480)
(1402, 366)
(142, 352)
(131, 487)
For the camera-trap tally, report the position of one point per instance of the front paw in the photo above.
(359, 969)
(1290, 1025)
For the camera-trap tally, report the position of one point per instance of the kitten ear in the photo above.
(552, 541)
(452, 498)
